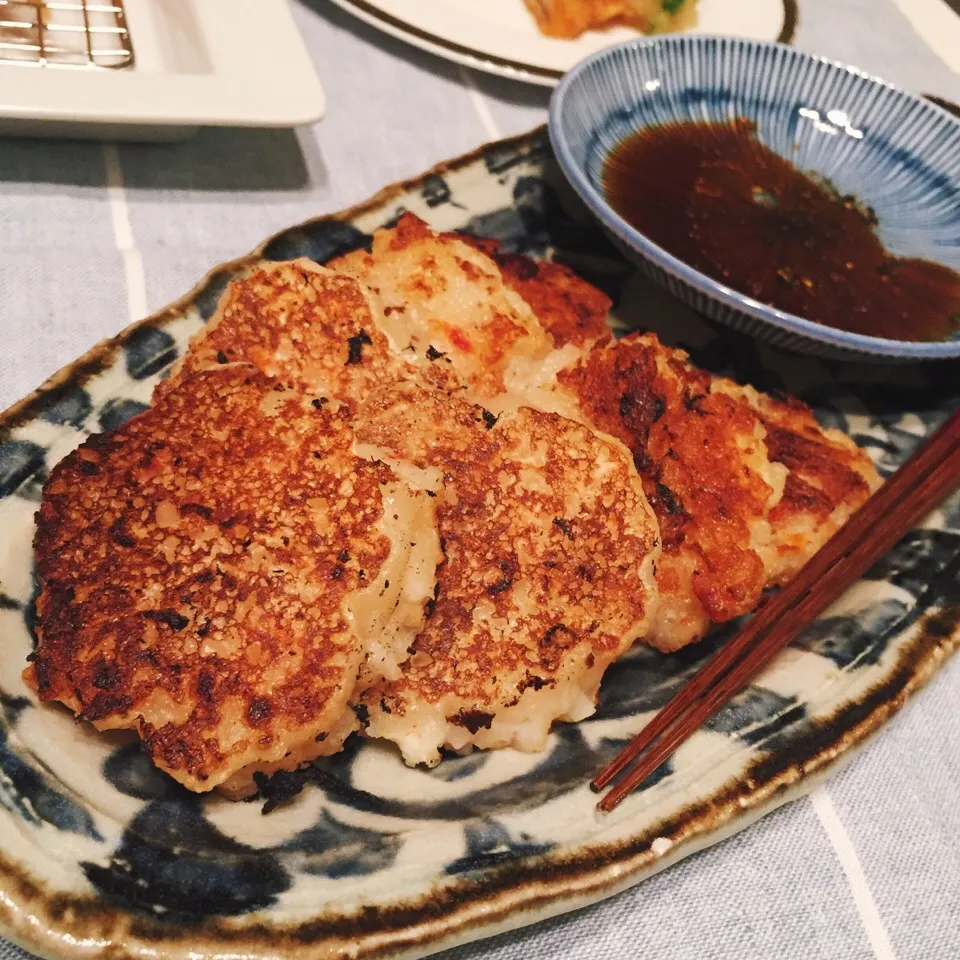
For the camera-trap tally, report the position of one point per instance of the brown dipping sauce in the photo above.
(716, 198)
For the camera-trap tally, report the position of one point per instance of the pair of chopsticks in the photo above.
(928, 477)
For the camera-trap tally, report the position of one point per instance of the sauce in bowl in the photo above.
(716, 198)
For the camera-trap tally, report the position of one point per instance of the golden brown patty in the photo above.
(745, 487)
(569, 309)
(448, 301)
(828, 478)
(547, 575)
(202, 570)
(321, 331)
(700, 454)
(300, 322)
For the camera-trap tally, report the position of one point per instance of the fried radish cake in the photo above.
(448, 301)
(705, 471)
(570, 309)
(321, 331)
(547, 577)
(298, 321)
(745, 488)
(213, 573)
(828, 478)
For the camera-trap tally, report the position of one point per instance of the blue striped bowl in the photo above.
(896, 152)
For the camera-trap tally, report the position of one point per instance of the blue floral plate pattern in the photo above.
(102, 855)
(897, 153)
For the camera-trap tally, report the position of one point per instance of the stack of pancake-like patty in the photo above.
(423, 493)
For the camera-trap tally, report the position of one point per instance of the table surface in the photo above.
(97, 235)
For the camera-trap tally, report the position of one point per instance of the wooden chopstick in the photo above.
(916, 488)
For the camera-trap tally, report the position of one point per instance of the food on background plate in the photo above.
(436, 452)
(568, 19)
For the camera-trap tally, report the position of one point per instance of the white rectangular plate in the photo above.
(197, 63)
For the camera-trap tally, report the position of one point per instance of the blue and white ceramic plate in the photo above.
(101, 855)
(897, 153)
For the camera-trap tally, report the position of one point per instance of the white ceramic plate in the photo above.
(500, 36)
(192, 68)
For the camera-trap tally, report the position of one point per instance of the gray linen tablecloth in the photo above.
(95, 236)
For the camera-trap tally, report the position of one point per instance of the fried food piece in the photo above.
(571, 310)
(568, 19)
(745, 488)
(322, 332)
(701, 456)
(301, 322)
(547, 577)
(828, 478)
(448, 301)
(213, 572)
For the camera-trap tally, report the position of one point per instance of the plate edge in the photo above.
(491, 63)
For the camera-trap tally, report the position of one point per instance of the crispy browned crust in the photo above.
(444, 296)
(684, 439)
(570, 309)
(709, 451)
(547, 547)
(194, 565)
(300, 322)
(829, 478)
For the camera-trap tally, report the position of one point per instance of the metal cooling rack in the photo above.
(65, 33)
